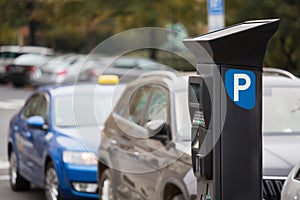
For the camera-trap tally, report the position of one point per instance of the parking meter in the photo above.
(225, 102)
(200, 115)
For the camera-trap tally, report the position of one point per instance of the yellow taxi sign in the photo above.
(108, 80)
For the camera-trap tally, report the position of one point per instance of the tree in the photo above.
(156, 13)
(284, 47)
(31, 13)
(78, 25)
(86, 17)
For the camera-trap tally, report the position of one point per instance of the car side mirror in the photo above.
(157, 129)
(36, 122)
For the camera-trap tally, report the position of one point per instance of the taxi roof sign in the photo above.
(108, 80)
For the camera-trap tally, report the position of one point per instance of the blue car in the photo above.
(54, 138)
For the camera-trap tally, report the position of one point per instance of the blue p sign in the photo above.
(240, 87)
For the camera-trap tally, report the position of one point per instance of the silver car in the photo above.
(281, 137)
(281, 131)
(59, 69)
(25, 69)
(9, 53)
(127, 68)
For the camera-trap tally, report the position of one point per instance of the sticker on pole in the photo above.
(240, 87)
(215, 7)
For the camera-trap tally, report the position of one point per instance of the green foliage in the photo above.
(79, 25)
(284, 48)
(93, 20)
(7, 34)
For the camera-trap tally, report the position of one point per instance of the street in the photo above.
(11, 100)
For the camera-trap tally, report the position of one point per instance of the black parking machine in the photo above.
(225, 103)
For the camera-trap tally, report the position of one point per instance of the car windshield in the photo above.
(281, 109)
(4, 55)
(125, 63)
(129, 63)
(64, 110)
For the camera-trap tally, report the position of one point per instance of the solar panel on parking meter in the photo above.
(226, 110)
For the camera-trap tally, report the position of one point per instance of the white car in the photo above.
(9, 53)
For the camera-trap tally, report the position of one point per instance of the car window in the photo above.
(149, 65)
(69, 112)
(9, 55)
(158, 108)
(125, 63)
(42, 108)
(281, 109)
(138, 103)
(71, 61)
(297, 177)
(31, 106)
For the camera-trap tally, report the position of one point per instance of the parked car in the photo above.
(144, 148)
(127, 68)
(269, 71)
(9, 53)
(291, 187)
(53, 142)
(281, 131)
(25, 68)
(62, 69)
(123, 152)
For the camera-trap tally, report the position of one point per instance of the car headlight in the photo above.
(79, 158)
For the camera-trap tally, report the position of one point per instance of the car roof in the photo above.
(277, 81)
(269, 71)
(84, 89)
(174, 80)
(31, 58)
(27, 49)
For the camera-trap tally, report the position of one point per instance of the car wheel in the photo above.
(18, 84)
(3, 81)
(105, 186)
(17, 182)
(51, 183)
(178, 197)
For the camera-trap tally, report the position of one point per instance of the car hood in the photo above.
(184, 147)
(280, 153)
(85, 138)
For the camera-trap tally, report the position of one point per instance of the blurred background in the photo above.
(45, 42)
(77, 26)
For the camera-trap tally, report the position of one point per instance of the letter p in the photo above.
(238, 87)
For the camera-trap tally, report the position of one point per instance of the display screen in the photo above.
(199, 100)
(194, 93)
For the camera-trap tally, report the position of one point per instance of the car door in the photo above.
(152, 152)
(39, 143)
(23, 136)
(33, 138)
(145, 156)
(121, 131)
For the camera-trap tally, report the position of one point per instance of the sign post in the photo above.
(215, 11)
